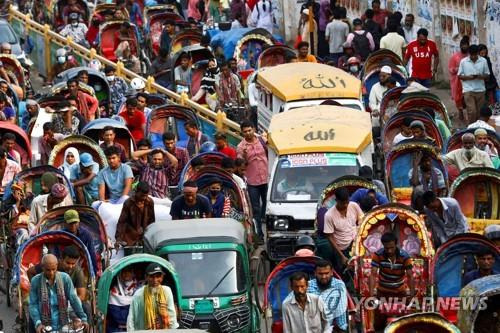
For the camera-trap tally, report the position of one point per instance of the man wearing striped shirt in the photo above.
(333, 292)
(157, 175)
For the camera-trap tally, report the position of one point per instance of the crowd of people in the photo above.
(134, 180)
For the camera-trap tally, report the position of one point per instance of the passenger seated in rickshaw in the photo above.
(72, 225)
(405, 131)
(117, 178)
(378, 90)
(122, 36)
(468, 156)
(7, 113)
(138, 212)
(87, 104)
(84, 179)
(65, 121)
(419, 133)
(108, 136)
(64, 61)
(485, 260)
(120, 298)
(156, 173)
(93, 31)
(47, 142)
(221, 204)
(76, 30)
(293, 183)
(8, 144)
(441, 125)
(28, 118)
(190, 205)
(207, 86)
(3, 73)
(41, 204)
(140, 159)
(424, 174)
(183, 74)
(124, 54)
(71, 159)
(444, 218)
(16, 210)
(484, 144)
(169, 141)
(49, 295)
(196, 138)
(72, 7)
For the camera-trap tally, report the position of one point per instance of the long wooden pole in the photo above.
(311, 30)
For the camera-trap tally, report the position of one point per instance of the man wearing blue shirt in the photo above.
(360, 193)
(84, 179)
(116, 178)
(50, 293)
(486, 266)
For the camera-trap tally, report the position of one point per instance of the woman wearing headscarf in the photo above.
(71, 160)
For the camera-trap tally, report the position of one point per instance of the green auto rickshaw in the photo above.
(109, 280)
(211, 259)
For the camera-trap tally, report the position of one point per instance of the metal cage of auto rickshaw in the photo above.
(90, 221)
(482, 317)
(453, 259)
(477, 190)
(411, 233)
(123, 136)
(139, 262)
(83, 144)
(398, 163)
(31, 253)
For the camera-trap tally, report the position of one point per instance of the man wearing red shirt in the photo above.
(223, 146)
(421, 51)
(134, 119)
(87, 105)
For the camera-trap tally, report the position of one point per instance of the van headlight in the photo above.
(233, 321)
(281, 223)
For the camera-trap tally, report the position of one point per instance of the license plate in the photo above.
(203, 307)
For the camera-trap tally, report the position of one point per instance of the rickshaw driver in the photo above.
(117, 177)
(190, 205)
(486, 263)
(293, 183)
(390, 264)
(49, 295)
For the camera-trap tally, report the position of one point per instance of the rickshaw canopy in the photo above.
(320, 128)
(215, 230)
(22, 140)
(422, 322)
(112, 271)
(305, 80)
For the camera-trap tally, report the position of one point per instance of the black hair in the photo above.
(82, 72)
(70, 252)
(392, 25)
(375, 1)
(337, 14)
(227, 163)
(407, 121)
(109, 69)
(410, 15)
(184, 55)
(163, 53)
(322, 263)
(131, 101)
(189, 183)
(369, 13)
(220, 136)
(302, 44)
(112, 150)
(168, 136)
(391, 80)
(428, 197)
(465, 40)
(245, 124)
(156, 151)
(191, 124)
(197, 161)
(142, 187)
(48, 127)
(485, 111)
(205, 40)
(388, 237)
(290, 57)
(298, 276)
(239, 162)
(141, 94)
(367, 203)
(366, 172)
(108, 128)
(398, 16)
(63, 104)
(3, 152)
(214, 180)
(72, 98)
(485, 252)
(482, 47)
(72, 80)
(342, 194)
(473, 49)
(231, 59)
(125, 24)
(8, 136)
(423, 32)
(144, 142)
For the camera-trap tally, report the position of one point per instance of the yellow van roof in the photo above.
(305, 80)
(320, 128)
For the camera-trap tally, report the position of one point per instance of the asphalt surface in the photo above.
(8, 315)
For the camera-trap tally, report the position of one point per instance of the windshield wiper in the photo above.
(218, 283)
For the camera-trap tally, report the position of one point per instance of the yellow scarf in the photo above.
(155, 309)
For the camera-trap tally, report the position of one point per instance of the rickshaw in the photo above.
(31, 181)
(107, 38)
(185, 37)
(371, 78)
(169, 118)
(240, 202)
(350, 182)
(477, 190)
(309, 146)
(152, 101)
(22, 144)
(123, 136)
(389, 103)
(83, 144)
(274, 55)
(31, 253)
(138, 262)
(155, 17)
(209, 159)
(480, 318)
(399, 162)
(61, 89)
(196, 54)
(452, 261)
(393, 127)
(412, 236)
(455, 141)
(97, 80)
(422, 322)
(107, 10)
(211, 257)
(421, 100)
(277, 288)
(15, 71)
(58, 11)
(90, 221)
(380, 58)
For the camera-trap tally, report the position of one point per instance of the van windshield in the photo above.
(203, 270)
(302, 177)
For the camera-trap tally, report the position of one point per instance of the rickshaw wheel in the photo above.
(260, 268)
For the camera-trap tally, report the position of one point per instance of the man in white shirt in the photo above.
(377, 92)
(393, 41)
(469, 156)
(409, 28)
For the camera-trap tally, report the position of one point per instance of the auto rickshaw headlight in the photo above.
(233, 321)
(281, 224)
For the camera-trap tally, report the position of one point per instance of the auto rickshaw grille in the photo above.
(218, 322)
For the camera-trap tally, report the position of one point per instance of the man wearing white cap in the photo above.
(377, 92)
